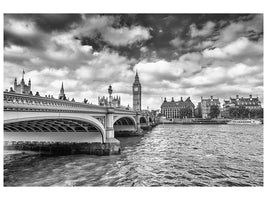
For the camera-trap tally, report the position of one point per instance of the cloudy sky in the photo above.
(176, 55)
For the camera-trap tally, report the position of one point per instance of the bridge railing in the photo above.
(14, 100)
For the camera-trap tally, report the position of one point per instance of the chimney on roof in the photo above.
(181, 98)
(165, 100)
(237, 96)
(250, 96)
(172, 99)
(211, 97)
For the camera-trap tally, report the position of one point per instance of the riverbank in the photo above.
(196, 121)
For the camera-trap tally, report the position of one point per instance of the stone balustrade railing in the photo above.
(14, 100)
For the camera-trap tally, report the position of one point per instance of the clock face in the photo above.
(136, 89)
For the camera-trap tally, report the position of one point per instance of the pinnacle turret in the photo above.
(62, 93)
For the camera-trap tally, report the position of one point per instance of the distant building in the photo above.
(204, 107)
(177, 109)
(104, 101)
(251, 103)
(22, 88)
(62, 95)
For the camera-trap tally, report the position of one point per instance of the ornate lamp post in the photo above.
(110, 93)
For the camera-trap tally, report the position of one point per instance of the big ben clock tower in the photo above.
(137, 94)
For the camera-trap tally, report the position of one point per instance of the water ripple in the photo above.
(170, 155)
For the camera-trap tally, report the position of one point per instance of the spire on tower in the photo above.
(62, 94)
(136, 80)
(136, 75)
(23, 72)
(22, 80)
(62, 88)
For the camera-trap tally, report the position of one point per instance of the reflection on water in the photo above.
(169, 155)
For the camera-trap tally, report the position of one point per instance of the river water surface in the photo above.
(169, 155)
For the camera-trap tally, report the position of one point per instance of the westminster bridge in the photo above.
(44, 124)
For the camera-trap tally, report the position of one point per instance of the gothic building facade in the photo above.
(115, 101)
(178, 109)
(22, 87)
(137, 89)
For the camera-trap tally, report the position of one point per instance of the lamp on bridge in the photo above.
(110, 93)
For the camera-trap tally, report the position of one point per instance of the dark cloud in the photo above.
(50, 22)
(34, 41)
(163, 29)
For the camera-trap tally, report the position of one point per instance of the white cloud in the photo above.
(239, 29)
(206, 30)
(63, 46)
(207, 76)
(159, 70)
(176, 42)
(240, 47)
(25, 28)
(105, 65)
(242, 70)
(14, 49)
(92, 26)
(125, 36)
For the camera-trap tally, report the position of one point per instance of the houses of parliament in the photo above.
(23, 88)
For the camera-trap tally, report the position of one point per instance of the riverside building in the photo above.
(250, 103)
(247, 102)
(177, 109)
(206, 104)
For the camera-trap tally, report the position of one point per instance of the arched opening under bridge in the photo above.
(53, 130)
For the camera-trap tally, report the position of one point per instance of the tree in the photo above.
(214, 111)
(243, 112)
(233, 112)
(239, 112)
(256, 113)
(185, 112)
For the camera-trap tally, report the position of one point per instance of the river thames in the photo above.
(169, 155)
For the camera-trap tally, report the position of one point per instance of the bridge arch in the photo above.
(142, 120)
(66, 123)
(124, 124)
(124, 120)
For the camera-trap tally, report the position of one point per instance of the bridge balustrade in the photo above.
(13, 101)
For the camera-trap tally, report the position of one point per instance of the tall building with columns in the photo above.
(137, 89)
(22, 88)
